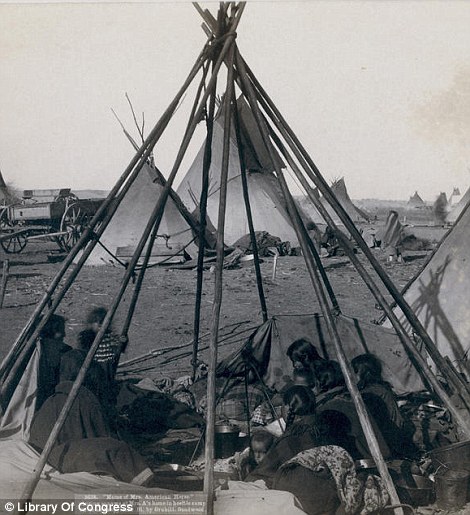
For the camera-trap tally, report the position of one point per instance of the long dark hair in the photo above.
(301, 401)
(302, 351)
(369, 369)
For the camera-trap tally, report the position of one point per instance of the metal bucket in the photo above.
(226, 440)
(455, 456)
(451, 488)
(415, 490)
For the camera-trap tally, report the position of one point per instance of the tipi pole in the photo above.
(211, 376)
(416, 356)
(28, 330)
(249, 216)
(329, 318)
(315, 175)
(154, 219)
(203, 224)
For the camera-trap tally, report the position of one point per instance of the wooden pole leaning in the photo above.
(211, 376)
(105, 212)
(154, 220)
(418, 360)
(203, 224)
(315, 175)
(249, 216)
(311, 266)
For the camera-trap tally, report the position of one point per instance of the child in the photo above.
(110, 347)
(260, 443)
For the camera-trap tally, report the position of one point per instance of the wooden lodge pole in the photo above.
(211, 376)
(420, 363)
(315, 175)
(32, 327)
(249, 216)
(329, 318)
(154, 220)
(203, 224)
(3, 287)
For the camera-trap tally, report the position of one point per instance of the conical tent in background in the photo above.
(415, 202)
(457, 210)
(439, 294)
(341, 193)
(455, 197)
(268, 205)
(127, 225)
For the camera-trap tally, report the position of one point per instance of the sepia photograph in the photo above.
(234, 257)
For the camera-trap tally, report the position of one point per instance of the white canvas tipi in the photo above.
(439, 294)
(268, 206)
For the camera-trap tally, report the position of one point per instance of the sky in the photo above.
(378, 92)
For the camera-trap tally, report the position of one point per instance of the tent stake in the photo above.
(329, 318)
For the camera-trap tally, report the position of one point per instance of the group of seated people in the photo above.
(323, 435)
(87, 441)
(313, 458)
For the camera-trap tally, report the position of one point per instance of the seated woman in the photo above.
(85, 442)
(329, 381)
(305, 432)
(303, 355)
(381, 403)
(53, 347)
(302, 432)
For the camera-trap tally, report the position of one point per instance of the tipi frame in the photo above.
(219, 49)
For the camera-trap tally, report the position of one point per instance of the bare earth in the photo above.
(165, 312)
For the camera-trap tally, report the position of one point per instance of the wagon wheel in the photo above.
(72, 224)
(15, 244)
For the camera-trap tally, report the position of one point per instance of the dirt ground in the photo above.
(165, 312)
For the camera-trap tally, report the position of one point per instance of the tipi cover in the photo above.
(458, 208)
(439, 295)
(267, 203)
(128, 223)
(341, 193)
(415, 202)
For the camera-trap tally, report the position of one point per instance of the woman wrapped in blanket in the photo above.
(307, 462)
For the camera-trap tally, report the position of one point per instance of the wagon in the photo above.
(62, 218)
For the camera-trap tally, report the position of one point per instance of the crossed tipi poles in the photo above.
(277, 136)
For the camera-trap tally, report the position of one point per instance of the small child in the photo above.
(111, 346)
(260, 443)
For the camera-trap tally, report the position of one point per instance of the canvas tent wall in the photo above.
(458, 208)
(266, 349)
(339, 189)
(127, 225)
(415, 202)
(439, 294)
(268, 206)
